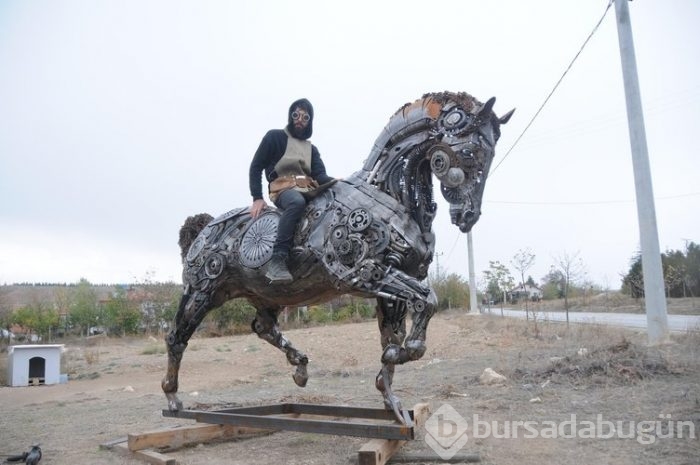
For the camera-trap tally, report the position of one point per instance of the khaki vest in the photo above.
(296, 160)
(293, 169)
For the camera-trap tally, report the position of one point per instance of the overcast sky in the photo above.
(118, 119)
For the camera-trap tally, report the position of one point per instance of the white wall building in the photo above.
(34, 364)
(530, 292)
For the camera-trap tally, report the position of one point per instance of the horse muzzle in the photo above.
(464, 216)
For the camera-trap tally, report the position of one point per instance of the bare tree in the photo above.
(572, 268)
(523, 261)
(499, 277)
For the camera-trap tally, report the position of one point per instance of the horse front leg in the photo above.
(392, 325)
(391, 317)
(265, 325)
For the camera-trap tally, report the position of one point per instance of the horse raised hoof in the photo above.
(391, 402)
(300, 376)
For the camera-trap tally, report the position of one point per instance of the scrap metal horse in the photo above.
(367, 235)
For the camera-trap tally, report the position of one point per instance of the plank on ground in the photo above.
(150, 456)
(379, 451)
(188, 435)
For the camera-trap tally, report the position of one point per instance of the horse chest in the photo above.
(356, 232)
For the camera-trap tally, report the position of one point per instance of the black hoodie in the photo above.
(307, 107)
(274, 145)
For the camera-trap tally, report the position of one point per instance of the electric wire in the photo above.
(542, 106)
(532, 120)
(588, 202)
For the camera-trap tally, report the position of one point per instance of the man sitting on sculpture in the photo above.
(293, 167)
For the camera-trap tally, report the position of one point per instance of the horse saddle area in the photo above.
(356, 232)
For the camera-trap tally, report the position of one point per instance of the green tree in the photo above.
(233, 316)
(157, 302)
(63, 299)
(499, 281)
(121, 315)
(164, 299)
(38, 317)
(633, 281)
(452, 291)
(681, 270)
(83, 310)
(553, 284)
(692, 269)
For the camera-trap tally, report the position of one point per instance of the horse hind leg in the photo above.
(192, 310)
(265, 325)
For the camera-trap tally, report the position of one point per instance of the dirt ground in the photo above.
(551, 374)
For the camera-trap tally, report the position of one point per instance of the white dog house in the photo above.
(34, 364)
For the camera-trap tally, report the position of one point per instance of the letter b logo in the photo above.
(446, 432)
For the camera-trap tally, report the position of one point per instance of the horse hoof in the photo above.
(393, 404)
(300, 376)
(174, 404)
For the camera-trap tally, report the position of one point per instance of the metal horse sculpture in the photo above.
(367, 235)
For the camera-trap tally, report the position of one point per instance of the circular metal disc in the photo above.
(257, 241)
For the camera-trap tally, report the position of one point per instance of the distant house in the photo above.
(526, 291)
(23, 334)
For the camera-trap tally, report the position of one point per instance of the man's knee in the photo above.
(294, 203)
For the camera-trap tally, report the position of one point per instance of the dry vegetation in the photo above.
(551, 374)
(616, 302)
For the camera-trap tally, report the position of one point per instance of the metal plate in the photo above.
(257, 241)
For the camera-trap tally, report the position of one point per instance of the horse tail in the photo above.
(189, 231)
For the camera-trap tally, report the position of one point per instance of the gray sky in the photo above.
(118, 119)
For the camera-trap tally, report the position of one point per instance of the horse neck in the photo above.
(402, 171)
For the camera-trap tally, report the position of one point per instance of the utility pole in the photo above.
(437, 265)
(472, 275)
(654, 298)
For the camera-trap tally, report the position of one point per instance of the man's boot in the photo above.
(277, 271)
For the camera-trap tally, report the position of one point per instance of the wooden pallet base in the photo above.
(379, 451)
(143, 445)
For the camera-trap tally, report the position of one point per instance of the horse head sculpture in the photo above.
(368, 235)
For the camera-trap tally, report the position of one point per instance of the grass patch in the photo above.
(92, 356)
(155, 349)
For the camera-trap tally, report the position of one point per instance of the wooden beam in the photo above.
(379, 451)
(188, 435)
(434, 458)
(149, 456)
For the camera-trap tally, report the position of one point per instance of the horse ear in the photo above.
(488, 106)
(505, 118)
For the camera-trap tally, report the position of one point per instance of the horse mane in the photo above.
(188, 232)
(433, 102)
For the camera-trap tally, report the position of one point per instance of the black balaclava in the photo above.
(309, 129)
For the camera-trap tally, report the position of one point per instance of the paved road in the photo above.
(676, 323)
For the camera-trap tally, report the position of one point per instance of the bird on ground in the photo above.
(34, 456)
(29, 458)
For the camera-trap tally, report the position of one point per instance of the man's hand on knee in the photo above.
(258, 206)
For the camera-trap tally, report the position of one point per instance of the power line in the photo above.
(554, 88)
(601, 202)
(595, 202)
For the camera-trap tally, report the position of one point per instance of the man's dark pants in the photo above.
(292, 204)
